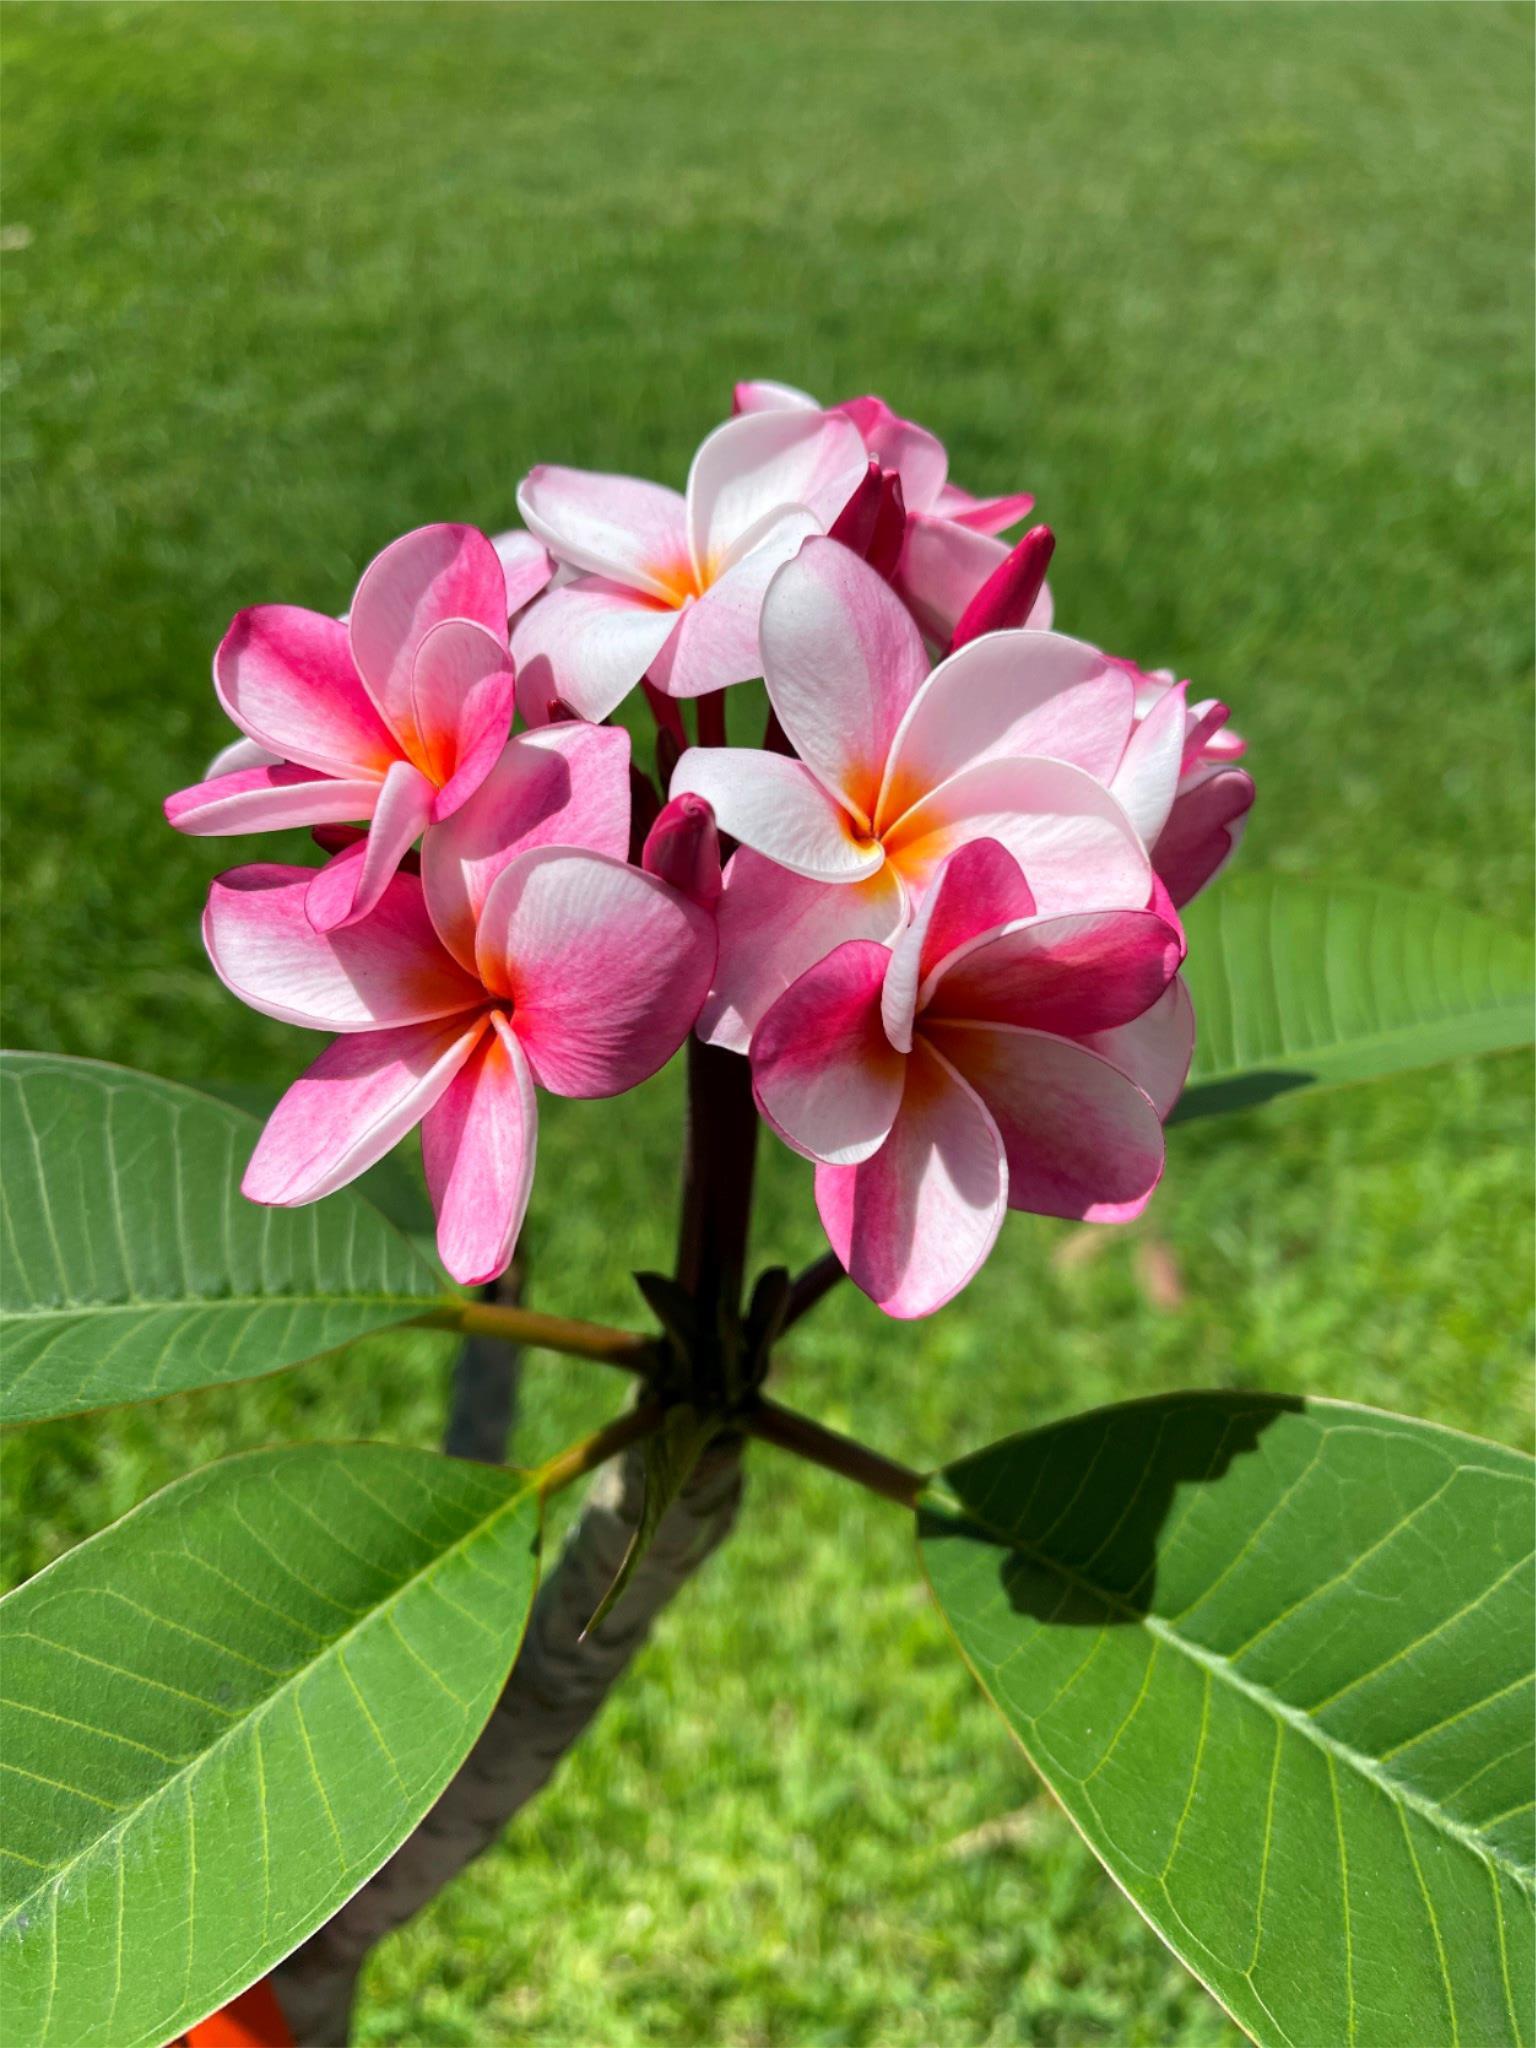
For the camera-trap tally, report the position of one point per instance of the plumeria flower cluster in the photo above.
(945, 935)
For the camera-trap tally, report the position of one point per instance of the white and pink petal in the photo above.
(287, 679)
(979, 888)
(390, 970)
(843, 663)
(778, 807)
(604, 967)
(773, 925)
(914, 1223)
(1155, 1050)
(479, 1143)
(618, 527)
(1070, 975)
(823, 1071)
(435, 573)
(565, 785)
(763, 463)
(1082, 1139)
(1075, 844)
(348, 887)
(352, 1105)
(717, 640)
(587, 644)
(1008, 694)
(269, 800)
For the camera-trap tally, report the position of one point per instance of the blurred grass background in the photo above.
(1244, 295)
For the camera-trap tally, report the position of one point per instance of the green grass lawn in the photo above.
(1244, 295)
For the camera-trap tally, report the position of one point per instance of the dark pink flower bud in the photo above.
(683, 849)
(1008, 596)
(873, 523)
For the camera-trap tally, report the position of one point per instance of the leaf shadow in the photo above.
(1084, 1511)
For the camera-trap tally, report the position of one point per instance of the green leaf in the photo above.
(1274, 1658)
(1298, 983)
(225, 1712)
(670, 1454)
(131, 1264)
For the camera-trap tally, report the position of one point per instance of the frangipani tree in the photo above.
(946, 934)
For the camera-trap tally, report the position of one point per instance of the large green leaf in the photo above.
(224, 1712)
(131, 1264)
(1274, 1658)
(1298, 982)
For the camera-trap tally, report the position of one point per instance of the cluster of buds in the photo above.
(946, 935)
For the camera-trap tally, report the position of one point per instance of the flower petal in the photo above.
(526, 566)
(774, 925)
(824, 1073)
(1203, 830)
(240, 753)
(1075, 844)
(843, 662)
(943, 565)
(1008, 694)
(461, 701)
(1071, 975)
(349, 886)
(588, 643)
(286, 678)
(564, 785)
(1148, 776)
(1082, 1139)
(918, 457)
(620, 527)
(979, 888)
(1155, 1051)
(436, 573)
(354, 1104)
(762, 395)
(605, 967)
(390, 970)
(268, 800)
(717, 642)
(478, 1145)
(981, 515)
(777, 806)
(765, 462)
(913, 1224)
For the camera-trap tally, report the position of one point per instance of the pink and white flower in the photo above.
(1213, 799)
(395, 716)
(1028, 738)
(950, 549)
(666, 585)
(993, 1059)
(526, 954)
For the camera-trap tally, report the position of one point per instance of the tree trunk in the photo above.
(556, 1688)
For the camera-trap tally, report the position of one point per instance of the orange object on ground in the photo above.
(253, 2020)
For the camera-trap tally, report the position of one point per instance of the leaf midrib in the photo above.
(202, 1301)
(1359, 1041)
(1222, 1668)
(335, 1644)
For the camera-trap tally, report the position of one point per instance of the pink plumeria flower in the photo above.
(395, 715)
(994, 1059)
(1028, 738)
(1213, 798)
(525, 954)
(951, 548)
(661, 584)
